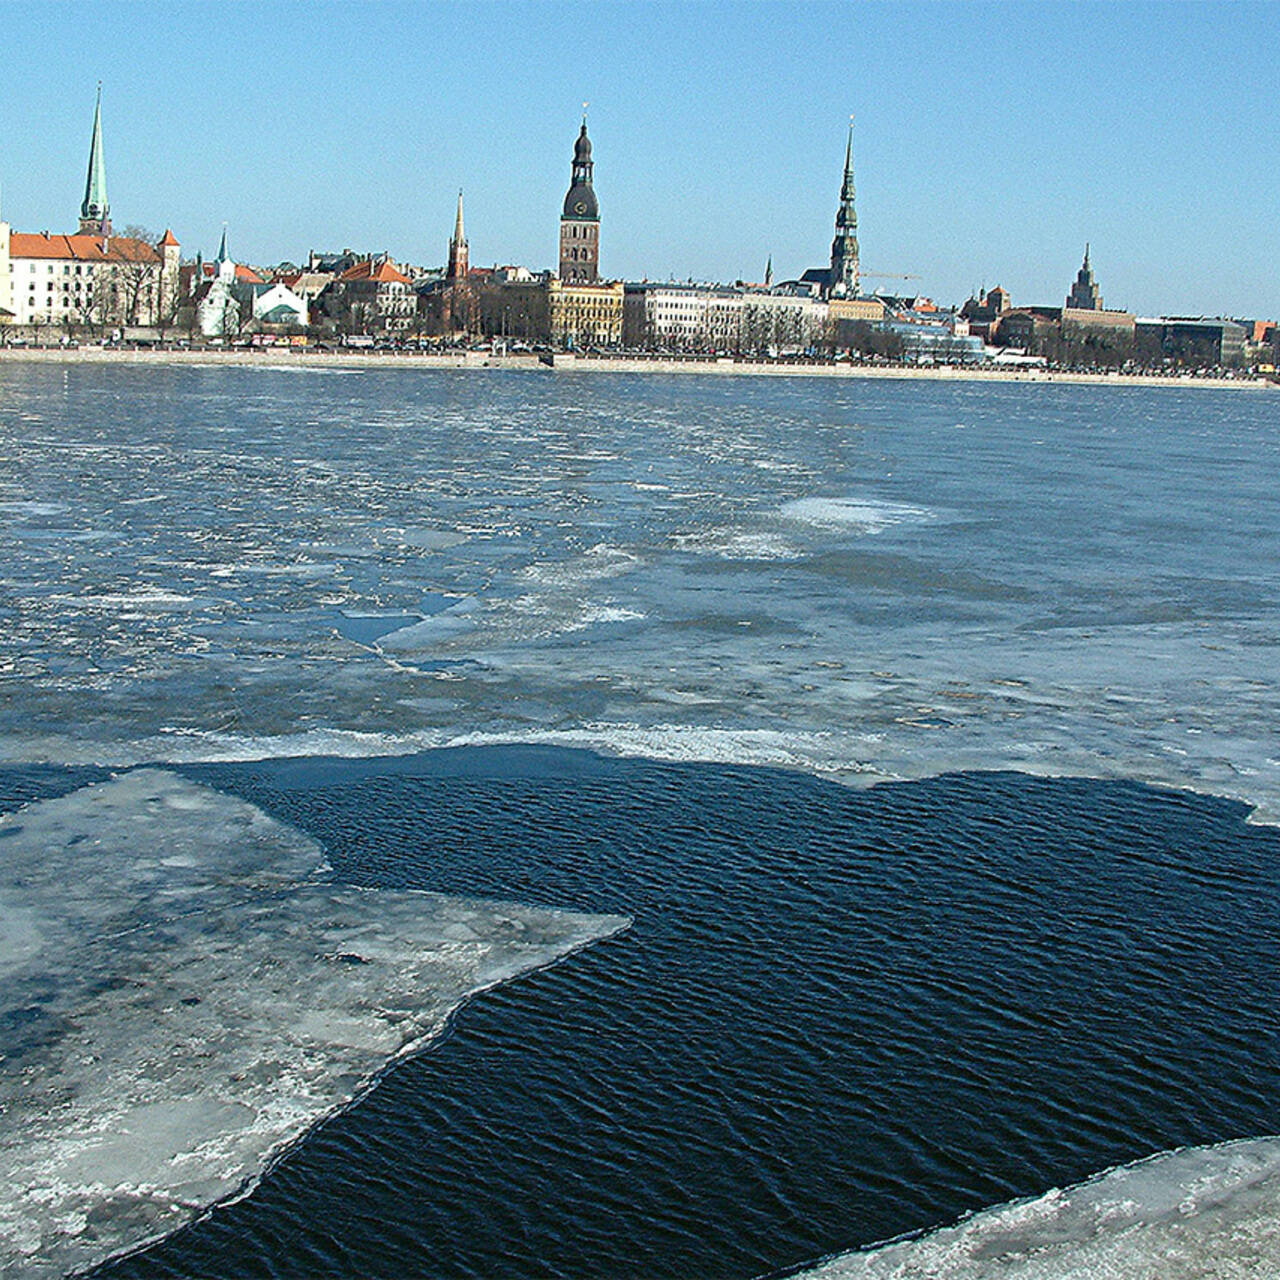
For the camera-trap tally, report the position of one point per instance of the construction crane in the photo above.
(886, 275)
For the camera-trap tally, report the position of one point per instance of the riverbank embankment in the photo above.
(284, 358)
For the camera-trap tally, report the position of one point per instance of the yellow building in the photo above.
(869, 309)
(584, 315)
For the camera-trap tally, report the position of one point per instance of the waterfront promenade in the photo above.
(285, 358)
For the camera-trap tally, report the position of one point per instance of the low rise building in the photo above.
(514, 304)
(87, 280)
(1097, 326)
(277, 305)
(1030, 327)
(1197, 341)
(584, 315)
(371, 296)
(690, 317)
(931, 333)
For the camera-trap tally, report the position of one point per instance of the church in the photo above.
(90, 277)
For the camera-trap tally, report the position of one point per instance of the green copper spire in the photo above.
(95, 212)
(844, 248)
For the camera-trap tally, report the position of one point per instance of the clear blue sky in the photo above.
(992, 140)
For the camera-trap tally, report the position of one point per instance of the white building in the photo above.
(278, 304)
(85, 279)
(717, 318)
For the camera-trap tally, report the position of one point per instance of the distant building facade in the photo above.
(371, 296)
(686, 317)
(584, 315)
(1194, 341)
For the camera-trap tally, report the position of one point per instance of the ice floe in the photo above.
(860, 515)
(183, 994)
(1206, 1213)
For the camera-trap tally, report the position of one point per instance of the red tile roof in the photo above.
(81, 248)
(383, 273)
(170, 240)
(242, 272)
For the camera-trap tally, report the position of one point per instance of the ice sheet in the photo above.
(1210, 1213)
(182, 996)
(829, 575)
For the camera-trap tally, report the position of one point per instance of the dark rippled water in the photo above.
(839, 1016)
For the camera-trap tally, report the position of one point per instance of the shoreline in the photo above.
(569, 363)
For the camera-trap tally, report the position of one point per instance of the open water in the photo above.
(839, 1014)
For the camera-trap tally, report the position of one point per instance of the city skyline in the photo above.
(713, 201)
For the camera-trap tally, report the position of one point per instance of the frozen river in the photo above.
(863, 581)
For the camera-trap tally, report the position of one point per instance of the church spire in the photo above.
(459, 257)
(95, 212)
(844, 248)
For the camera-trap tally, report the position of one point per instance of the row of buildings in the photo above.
(98, 279)
(1083, 330)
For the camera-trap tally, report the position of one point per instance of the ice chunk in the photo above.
(182, 995)
(1206, 1212)
(859, 515)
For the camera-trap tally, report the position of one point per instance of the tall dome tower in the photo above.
(580, 219)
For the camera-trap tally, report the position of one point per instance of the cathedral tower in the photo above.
(580, 220)
(844, 248)
(95, 212)
(459, 258)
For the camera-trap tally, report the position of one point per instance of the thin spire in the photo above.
(223, 254)
(95, 208)
(1086, 254)
(459, 258)
(846, 190)
(843, 276)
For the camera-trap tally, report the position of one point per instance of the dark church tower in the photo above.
(844, 248)
(580, 221)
